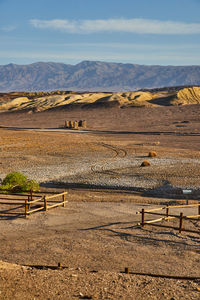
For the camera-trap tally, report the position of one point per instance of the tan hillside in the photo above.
(35, 102)
(17, 102)
(188, 96)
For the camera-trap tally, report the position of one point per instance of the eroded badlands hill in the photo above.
(35, 102)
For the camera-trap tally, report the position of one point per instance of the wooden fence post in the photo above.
(31, 193)
(29, 206)
(45, 203)
(167, 212)
(181, 223)
(126, 271)
(59, 266)
(30, 198)
(26, 207)
(142, 218)
(64, 199)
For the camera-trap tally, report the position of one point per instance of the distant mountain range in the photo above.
(94, 76)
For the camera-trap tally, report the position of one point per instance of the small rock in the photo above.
(84, 296)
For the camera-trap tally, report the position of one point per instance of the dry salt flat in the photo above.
(124, 172)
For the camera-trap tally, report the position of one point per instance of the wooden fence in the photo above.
(166, 216)
(26, 204)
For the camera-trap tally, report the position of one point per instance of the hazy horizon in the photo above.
(111, 62)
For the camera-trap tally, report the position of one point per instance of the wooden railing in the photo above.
(168, 216)
(43, 203)
(26, 204)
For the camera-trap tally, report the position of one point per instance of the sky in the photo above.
(147, 32)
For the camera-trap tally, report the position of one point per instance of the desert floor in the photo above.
(97, 234)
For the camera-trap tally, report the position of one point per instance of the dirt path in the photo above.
(93, 131)
(95, 241)
(95, 235)
(101, 169)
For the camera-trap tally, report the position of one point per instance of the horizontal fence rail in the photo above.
(26, 204)
(168, 216)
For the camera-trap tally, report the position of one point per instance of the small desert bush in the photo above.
(18, 182)
(145, 163)
(152, 154)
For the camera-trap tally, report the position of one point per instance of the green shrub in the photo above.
(18, 182)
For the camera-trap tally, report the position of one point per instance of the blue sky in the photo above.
(165, 32)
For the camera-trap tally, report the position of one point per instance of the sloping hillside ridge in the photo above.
(189, 96)
(36, 102)
(94, 76)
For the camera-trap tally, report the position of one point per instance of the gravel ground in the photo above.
(95, 235)
(95, 242)
(82, 284)
(114, 172)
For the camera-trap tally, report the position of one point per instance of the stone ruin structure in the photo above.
(75, 124)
